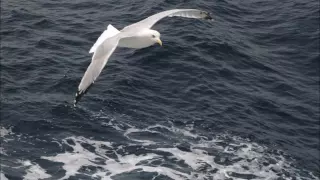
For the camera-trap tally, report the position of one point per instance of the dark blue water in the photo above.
(237, 98)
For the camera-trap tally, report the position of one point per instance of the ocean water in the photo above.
(234, 98)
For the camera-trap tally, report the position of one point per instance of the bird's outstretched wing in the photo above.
(151, 20)
(99, 60)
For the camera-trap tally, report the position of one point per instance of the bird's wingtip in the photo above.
(207, 16)
(74, 103)
(80, 93)
(77, 97)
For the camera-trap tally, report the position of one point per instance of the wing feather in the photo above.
(111, 31)
(151, 20)
(99, 60)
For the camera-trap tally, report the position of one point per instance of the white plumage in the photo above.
(111, 31)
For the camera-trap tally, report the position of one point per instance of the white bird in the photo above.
(137, 35)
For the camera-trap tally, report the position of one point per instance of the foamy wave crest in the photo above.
(4, 132)
(31, 170)
(34, 171)
(162, 152)
(155, 152)
(2, 177)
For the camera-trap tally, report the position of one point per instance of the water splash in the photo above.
(161, 152)
(221, 157)
(34, 171)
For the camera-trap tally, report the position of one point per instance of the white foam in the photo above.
(4, 132)
(186, 132)
(80, 156)
(2, 177)
(34, 171)
(143, 141)
(244, 157)
(221, 157)
(2, 151)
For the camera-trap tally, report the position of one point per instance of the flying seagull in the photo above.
(137, 35)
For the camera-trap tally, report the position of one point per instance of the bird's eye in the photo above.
(153, 36)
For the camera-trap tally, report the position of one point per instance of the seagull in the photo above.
(137, 35)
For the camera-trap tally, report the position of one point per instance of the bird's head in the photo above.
(155, 36)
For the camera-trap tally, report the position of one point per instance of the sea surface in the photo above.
(230, 99)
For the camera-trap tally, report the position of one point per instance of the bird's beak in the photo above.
(159, 42)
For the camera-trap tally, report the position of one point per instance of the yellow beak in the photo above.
(159, 41)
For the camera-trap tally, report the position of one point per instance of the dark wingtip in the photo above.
(77, 98)
(79, 95)
(207, 16)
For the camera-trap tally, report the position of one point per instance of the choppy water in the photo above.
(237, 98)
